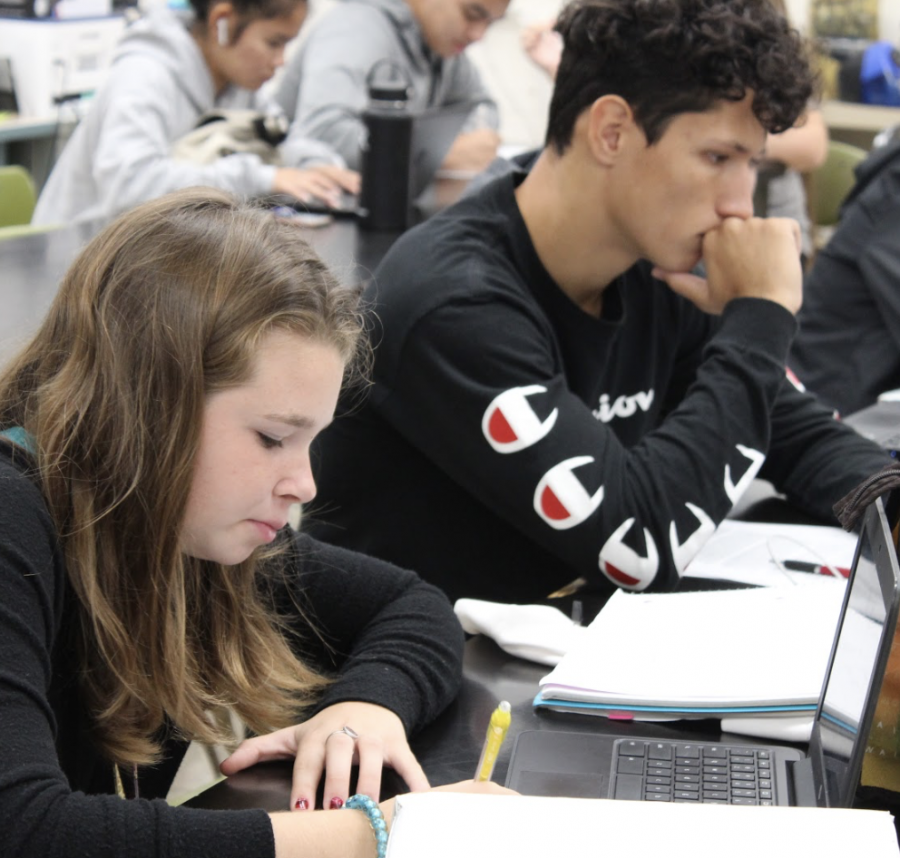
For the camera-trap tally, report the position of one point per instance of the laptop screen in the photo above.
(857, 661)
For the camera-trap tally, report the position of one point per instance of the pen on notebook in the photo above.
(496, 733)
(816, 568)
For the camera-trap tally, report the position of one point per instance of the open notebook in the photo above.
(587, 765)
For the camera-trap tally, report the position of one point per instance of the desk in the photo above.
(449, 748)
(32, 142)
(33, 265)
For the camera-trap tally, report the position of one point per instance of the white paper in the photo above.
(538, 633)
(755, 552)
(451, 825)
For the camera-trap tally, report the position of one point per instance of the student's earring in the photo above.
(222, 31)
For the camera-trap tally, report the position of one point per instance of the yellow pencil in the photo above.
(496, 733)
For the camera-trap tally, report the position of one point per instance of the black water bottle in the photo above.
(386, 149)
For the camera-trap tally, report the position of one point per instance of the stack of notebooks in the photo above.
(750, 652)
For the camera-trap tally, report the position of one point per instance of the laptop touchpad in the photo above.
(561, 783)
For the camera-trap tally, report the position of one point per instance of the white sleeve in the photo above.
(144, 112)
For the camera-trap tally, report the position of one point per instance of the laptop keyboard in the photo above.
(670, 771)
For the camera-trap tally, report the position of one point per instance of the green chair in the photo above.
(17, 196)
(829, 185)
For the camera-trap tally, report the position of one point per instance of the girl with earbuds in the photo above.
(171, 68)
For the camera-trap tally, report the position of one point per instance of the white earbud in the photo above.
(222, 31)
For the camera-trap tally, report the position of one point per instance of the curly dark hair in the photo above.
(666, 57)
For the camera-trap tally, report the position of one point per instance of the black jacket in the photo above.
(512, 442)
(848, 347)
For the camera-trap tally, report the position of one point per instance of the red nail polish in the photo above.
(301, 804)
(336, 803)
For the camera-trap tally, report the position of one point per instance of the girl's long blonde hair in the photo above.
(163, 307)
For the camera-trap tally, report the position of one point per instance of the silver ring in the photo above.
(347, 731)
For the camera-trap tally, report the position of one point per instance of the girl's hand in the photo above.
(320, 745)
(323, 182)
(348, 180)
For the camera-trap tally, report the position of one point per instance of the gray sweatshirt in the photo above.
(323, 88)
(119, 155)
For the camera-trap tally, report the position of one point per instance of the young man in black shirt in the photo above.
(555, 393)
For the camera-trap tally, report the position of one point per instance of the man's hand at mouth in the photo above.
(753, 258)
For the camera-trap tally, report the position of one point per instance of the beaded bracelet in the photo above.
(376, 819)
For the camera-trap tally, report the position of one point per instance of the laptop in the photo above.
(433, 133)
(585, 765)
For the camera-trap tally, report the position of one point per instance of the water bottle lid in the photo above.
(388, 81)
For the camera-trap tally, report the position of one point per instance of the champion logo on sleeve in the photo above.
(568, 494)
(561, 499)
(510, 423)
(624, 566)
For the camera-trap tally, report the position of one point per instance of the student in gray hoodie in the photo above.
(323, 89)
(170, 69)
